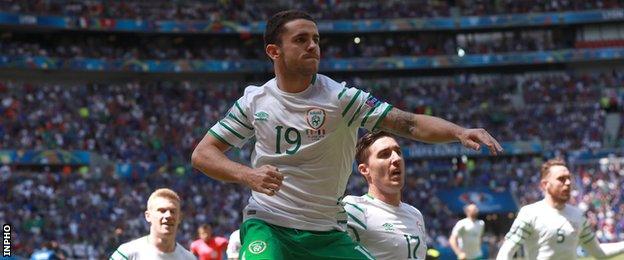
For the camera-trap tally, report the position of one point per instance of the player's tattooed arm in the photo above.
(431, 129)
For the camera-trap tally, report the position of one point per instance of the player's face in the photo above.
(164, 216)
(472, 211)
(205, 233)
(385, 166)
(558, 183)
(299, 51)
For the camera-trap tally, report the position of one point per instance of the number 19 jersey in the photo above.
(310, 137)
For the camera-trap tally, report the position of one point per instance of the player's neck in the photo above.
(293, 82)
(164, 244)
(553, 203)
(392, 199)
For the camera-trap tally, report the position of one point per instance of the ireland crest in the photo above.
(315, 118)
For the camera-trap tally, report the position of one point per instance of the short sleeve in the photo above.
(521, 228)
(361, 109)
(356, 218)
(235, 128)
(458, 228)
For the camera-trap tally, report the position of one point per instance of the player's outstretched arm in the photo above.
(605, 250)
(431, 129)
(209, 158)
(507, 250)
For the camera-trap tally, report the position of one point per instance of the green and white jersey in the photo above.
(549, 233)
(387, 231)
(310, 137)
(140, 248)
(469, 233)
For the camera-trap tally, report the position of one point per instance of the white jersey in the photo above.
(469, 233)
(140, 248)
(387, 231)
(234, 245)
(549, 233)
(310, 137)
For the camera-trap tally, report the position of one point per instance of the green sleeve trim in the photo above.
(369, 113)
(342, 92)
(355, 206)
(357, 112)
(231, 130)
(589, 239)
(357, 220)
(240, 109)
(230, 115)
(215, 135)
(344, 112)
(385, 112)
(119, 252)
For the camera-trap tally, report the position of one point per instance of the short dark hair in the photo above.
(275, 25)
(361, 149)
(545, 169)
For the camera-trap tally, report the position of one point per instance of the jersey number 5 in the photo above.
(411, 253)
(287, 137)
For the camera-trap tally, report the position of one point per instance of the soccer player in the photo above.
(305, 127)
(387, 227)
(208, 247)
(466, 236)
(551, 228)
(234, 246)
(163, 214)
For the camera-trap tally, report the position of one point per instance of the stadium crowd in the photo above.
(160, 123)
(235, 47)
(248, 11)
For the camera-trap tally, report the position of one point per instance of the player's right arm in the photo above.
(590, 243)
(520, 230)
(454, 243)
(233, 130)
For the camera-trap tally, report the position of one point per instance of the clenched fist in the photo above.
(265, 179)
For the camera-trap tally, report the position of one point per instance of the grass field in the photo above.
(620, 257)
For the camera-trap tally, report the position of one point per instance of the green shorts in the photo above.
(261, 240)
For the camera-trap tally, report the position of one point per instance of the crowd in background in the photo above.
(160, 122)
(249, 11)
(250, 47)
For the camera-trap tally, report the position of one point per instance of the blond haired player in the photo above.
(551, 228)
(163, 214)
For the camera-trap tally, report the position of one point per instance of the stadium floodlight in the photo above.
(461, 52)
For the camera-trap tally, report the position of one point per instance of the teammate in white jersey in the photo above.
(234, 246)
(466, 236)
(387, 227)
(163, 214)
(305, 126)
(551, 228)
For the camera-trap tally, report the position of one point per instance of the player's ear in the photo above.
(364, 170)
(543, 184)
(273, 51)
(147, 216)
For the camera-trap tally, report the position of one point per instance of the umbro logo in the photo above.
(261, 116)
(388, 226)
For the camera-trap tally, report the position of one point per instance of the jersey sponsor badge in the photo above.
(257, 247)
(315, 118)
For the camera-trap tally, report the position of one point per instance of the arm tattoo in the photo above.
(400, 123)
